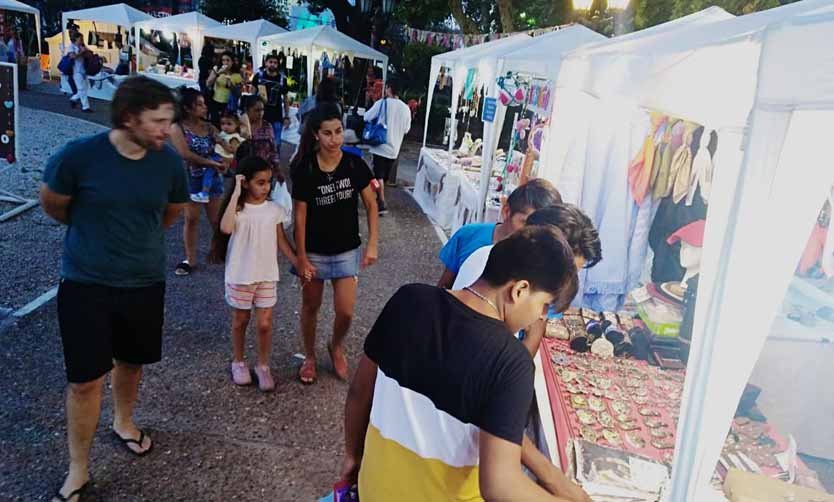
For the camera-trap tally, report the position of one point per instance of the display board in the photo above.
(9, 136)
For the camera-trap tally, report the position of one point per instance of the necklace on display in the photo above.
(484, 298)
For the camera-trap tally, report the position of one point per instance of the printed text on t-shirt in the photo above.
(339, 190)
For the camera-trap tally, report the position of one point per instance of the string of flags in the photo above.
(459, 40)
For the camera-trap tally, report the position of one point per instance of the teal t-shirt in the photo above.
(115, 235)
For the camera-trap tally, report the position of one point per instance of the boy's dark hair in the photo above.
(272, 55)
(229, 115)
(539, 254)
(135, 95)
(535, 194)
(394, 86)
(327, 91)
(578, 229)
(249, 101)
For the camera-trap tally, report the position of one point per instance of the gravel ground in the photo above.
(213, 441)
(30, 244)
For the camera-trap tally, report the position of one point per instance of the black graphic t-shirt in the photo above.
(272, 89)
(332, 203)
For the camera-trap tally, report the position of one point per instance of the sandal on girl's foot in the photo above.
(184, 268)
(126, 442)
(265, 381)
(307, 373)
(72, 495)
(340, 364)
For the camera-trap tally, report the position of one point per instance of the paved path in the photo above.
(214, 442)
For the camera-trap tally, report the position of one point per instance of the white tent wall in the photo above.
(111, 15)
(781, 184)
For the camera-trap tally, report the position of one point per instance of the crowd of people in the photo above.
(439, 402)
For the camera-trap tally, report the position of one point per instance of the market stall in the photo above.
(326, 51)
(34, 75)
(322, 46)
(168, 48)
(438, 186)
(248, 32)
(106, 31)
(652, 150)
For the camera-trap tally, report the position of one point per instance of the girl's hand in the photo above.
(239, 179)
(350, 470)
(306, 269)
(370, 257)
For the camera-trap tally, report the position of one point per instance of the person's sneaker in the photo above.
(202, 197)
(240, 374)
(383, 210)
(265, 380)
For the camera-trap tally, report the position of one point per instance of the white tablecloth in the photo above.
(444, 191)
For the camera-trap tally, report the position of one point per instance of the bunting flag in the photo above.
(458, 41)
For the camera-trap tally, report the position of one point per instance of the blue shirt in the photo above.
(115, 235)
(464, 242)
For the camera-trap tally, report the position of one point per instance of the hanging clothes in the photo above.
(672, 140)
(828, 250)
(640, 168)
(671, 216)
(702, 169)
(682, 164)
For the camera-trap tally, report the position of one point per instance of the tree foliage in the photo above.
(246, 10)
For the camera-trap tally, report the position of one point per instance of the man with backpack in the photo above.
(270, 83)
(79, 73)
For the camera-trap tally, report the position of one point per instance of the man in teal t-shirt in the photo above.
(116, 192)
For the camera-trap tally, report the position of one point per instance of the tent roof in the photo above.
(248, 31)
(181, 22)
(326, 37)
(18, 6)
(543, 55)
(118, 14)
(475, 52)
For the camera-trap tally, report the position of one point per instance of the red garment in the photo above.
(813, 250)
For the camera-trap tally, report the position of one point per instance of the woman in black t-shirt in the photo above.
(327, 185)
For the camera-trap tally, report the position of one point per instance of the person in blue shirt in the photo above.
(116, 192)
(521, 203)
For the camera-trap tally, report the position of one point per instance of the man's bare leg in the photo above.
(125, 379)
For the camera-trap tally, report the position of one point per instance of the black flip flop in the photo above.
(183, 269)
(127, 441)
(75, 493)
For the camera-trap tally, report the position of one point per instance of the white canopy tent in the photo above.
(715, 72)
(15, 6)
(193, 24)
(781, 183)
(249, 32)
(320, 38)
(117, 14)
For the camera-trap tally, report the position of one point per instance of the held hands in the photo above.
(306, 270)
(370, 257)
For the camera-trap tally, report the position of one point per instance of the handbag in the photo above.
(376, 132)
(66, 65)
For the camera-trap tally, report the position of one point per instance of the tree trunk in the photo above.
(505, 10)
(467, 25)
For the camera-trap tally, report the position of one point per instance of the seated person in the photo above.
(438, 406)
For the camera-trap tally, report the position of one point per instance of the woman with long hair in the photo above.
(261, 134)
(327, 185)
(223, 80)
(195, 139)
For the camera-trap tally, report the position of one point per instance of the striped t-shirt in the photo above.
(445, 372)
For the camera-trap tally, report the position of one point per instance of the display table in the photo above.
(445, 191)
(172, 81)
(629, 406)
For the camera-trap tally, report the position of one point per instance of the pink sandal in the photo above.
(307, 373)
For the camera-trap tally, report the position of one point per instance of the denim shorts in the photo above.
(339, 266)
(195, 185)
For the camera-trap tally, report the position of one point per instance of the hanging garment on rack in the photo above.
(640, 168)
(702, 170)
(682, 164)
(828, 250)
(671, 216)
(671, 142)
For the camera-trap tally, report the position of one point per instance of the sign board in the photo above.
(9, 121)
(490, 106)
